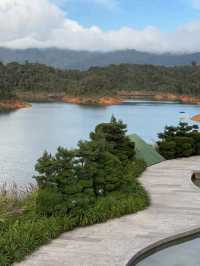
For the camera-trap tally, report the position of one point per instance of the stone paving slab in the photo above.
(175, 209)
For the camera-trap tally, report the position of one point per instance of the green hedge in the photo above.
(180, 141)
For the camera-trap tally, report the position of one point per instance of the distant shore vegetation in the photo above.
(112, 80)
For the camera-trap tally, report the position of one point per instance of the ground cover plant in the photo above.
(180, 141)
(91, 184)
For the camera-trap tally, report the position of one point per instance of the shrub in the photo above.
(12, 199)
(184, 146)
(26, 234)
(113, 206)
(22, 237)
(180, 141)
(113, 135)
(94, 183)
(196, 138)
(74, 179)
(62, 188)
(49, 201)
(138, 167)
(167, 149)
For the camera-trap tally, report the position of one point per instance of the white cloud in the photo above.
(40, 23)
(22, 18)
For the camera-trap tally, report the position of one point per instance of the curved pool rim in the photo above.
(167, 242)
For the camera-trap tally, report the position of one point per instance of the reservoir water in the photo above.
(26, 133)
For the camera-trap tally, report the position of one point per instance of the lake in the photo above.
(26, 133)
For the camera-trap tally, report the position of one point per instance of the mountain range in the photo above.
(71, 59)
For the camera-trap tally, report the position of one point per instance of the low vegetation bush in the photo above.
(13, 199)
(74, 179)
(27, 232)
(96, 182)
(180, 141)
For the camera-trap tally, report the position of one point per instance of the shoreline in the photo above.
(65, 98)
(139, 95)
(121, 98)
(117, 99)
(12, 105)
(104, 101)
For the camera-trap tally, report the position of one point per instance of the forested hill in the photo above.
(82, 60)
(107, 81)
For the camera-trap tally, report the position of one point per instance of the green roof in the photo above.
(146, 151)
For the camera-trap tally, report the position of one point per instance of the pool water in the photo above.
(185, 254)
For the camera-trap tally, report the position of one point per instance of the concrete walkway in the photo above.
(175, 208)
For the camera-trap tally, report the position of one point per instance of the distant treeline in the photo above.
(99, 81)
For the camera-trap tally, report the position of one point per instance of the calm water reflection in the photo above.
(26, 133)
(186, 254)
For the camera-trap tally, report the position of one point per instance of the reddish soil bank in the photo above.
(91, 100)
(196, 118)
(11, 105)
(159, 96)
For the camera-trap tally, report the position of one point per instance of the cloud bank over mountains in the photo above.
(42, 24)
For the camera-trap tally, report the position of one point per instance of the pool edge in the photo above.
(166, 242)
(163, 244)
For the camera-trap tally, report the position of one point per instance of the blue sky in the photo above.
(102, 25)
(111, 14)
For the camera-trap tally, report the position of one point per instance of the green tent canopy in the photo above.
(146, 151)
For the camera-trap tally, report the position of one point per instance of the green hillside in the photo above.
(98, 82)
(146, 151)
